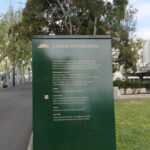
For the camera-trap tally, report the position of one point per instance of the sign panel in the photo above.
(73, 106)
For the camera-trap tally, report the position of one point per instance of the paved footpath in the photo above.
(15, 117)
(134, 96)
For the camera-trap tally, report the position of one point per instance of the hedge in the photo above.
(130, 84)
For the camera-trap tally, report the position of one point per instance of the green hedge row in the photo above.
(129, 84)
(147, 85)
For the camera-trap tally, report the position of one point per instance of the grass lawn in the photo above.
(133, 124)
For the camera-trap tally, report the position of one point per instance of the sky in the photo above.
(17, 4)
(143, 14)
(143, 17)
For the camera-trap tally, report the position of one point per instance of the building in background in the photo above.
(144, 67)
(143, 64)
(143, 70)
(146, 54)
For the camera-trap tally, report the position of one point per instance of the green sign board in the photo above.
(73, 107)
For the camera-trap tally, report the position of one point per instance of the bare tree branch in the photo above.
(67, 8)
(78, 28)
(66, 15)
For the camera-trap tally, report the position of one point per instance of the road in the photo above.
(15, 117)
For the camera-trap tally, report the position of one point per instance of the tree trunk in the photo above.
(126, 78)
(5, 81)
(126, 75)
(22, 73)
(95, 25)
(71, 28)
(6, 73)
(13, 77)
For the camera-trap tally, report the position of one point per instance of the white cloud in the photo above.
(134, 1)
(143, 17)
(143, 33)
(144, 11)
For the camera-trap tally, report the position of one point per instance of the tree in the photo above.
(50, 17)
(4, 38)
(69, 17)
(84, 17)
(12, 49)
(128, 46)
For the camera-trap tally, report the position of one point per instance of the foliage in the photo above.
(1, 68)
(11, 47)
(147, 85)
(15, 52)
(4, 38)
(132, 124)
(71, 17)
(128, 46)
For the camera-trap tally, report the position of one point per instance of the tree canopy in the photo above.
(71, 17)
(15, 52)
(10, 45)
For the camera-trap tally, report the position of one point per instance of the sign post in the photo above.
(73, 106)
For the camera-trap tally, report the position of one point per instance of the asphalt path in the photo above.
(15, 117)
